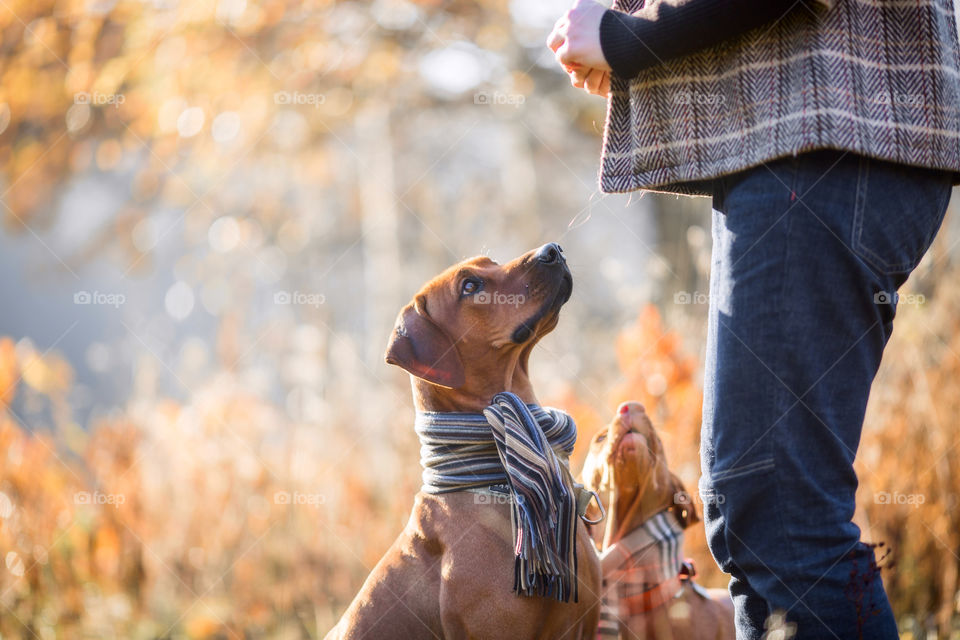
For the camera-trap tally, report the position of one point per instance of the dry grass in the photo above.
(186, 533)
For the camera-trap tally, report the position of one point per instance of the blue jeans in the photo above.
(808, 254)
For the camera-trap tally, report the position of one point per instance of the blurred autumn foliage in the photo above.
(261, 108)
(180, 521)
(164, 521)
(908, 460)
(193, 164)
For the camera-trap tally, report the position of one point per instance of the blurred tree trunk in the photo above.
(379, 216)
(518, 179)
(683, 240)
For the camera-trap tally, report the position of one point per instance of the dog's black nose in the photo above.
(550, 253)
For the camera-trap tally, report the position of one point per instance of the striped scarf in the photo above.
(526, 448)
(645, 560)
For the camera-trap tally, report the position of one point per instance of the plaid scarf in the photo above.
(526, 448)
(637, 567)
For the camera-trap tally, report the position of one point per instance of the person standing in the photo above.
(827, 133)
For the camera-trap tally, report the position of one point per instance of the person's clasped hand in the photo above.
(575, 40)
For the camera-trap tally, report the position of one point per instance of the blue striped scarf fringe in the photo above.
(525, 447)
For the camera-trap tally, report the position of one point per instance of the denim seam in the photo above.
(944, 205)
(778, 488)
(780, 398)
(754, 467)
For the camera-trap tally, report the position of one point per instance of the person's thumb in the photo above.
(556, 37)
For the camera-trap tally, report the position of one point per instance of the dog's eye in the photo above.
(601, 437)
(470, 287)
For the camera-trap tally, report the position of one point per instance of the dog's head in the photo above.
(627, 467)
(471, 329)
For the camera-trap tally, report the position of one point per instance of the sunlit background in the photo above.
(212, 212)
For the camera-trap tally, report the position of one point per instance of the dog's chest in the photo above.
(641, 571)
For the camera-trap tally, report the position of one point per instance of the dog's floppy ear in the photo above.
(683, 507)
(421, 347)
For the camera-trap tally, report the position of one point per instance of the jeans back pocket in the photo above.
(898, 212)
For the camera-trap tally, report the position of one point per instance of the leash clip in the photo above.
(584, 497)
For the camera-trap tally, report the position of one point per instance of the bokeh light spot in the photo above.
(179, 300)
(224, 234)
(190, 122)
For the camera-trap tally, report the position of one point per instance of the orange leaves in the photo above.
(587, 419)
(49, 374)
(106, 551)
(9, 372)
(200, 627)
(657, 371)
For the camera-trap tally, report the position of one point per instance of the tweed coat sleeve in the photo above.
(665, 29)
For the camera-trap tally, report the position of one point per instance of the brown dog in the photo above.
(645, 593)
(466, 336)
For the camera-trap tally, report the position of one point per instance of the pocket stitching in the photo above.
(859, 248)
(759, 466)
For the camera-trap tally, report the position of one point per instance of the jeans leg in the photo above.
(751, 609)
(807, 252)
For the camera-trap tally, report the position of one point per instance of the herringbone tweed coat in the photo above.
(879, 78)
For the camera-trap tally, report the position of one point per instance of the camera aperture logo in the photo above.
(300, 298)
(497, 297)
(114, 300)
(298, 98)
(297, 498)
